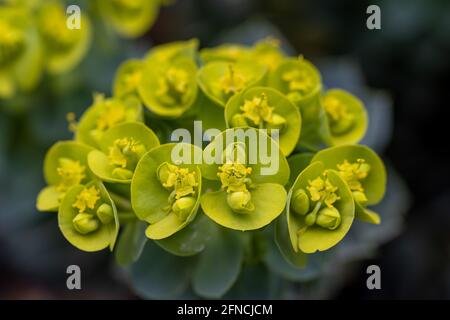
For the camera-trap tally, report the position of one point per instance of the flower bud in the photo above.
(300, 202)
(121, 173)
(240, 201)
(105, 213)
(183, 206)
(239, 120)
(85, 223)
(329, 218)
(278, 122)
(360, 197)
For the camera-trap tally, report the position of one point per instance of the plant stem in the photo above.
(122, 203)
(126, 216)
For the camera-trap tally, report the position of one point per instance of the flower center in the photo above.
(234, 176)
(353, 174)
(300, 83)
(321, 192)
(233, 81)
(258, 113)
(87, 199)
(235, 181)
(12, 43)
(124, 155)
(173, 87)
(111, 113)
(91, 213)
(341, 120)
(132, 80)
(183, 184)
(71, 173)
(54, 30)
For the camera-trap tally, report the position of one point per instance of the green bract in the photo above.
(221, 80)
(104, 114)
(266, 108)
(169, 88)
(346, 115)
(128, 77)
(65, 166)
(250, 197)
(225, 53)
(130, 18)
(364, 173)
(121, 148)
(64, 47)
(320, 209)
(298, 79)
(21, 53)
(88, 218)
(266, 53)
(165, 191)
(169, 51)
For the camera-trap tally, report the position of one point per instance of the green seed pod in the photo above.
(240, 201)
(278, 122)
(105, 213)
(329, 218)
(310, 219)
(300, 202)
(85, 223)
(183, 207)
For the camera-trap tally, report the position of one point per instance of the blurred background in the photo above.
(401, 72)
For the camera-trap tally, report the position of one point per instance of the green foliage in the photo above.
(214, 227)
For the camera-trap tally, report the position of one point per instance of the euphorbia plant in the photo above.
(265, 178)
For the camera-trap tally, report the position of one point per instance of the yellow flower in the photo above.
(87, 199)
(352, 173)
(233, 81)
(71, 173)
(112, 114)
(258, 110)
(124, 151)
(234, 176)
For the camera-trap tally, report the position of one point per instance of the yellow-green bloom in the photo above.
(88, 218)
(21, 52)
(221, 80)
(65, 166)
(121, 148)
(104, 114)
(130, 18)
(165, 192)
(169, 88)
(64, 47)
(247, 198)
(266, 108)
(320, 209)
(346, 115)
(364, 173)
